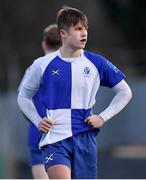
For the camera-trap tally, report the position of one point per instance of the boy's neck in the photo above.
(70, 53)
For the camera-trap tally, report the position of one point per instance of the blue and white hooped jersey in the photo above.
(67, 90)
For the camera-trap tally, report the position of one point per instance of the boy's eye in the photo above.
(78, 28)
(86, 27)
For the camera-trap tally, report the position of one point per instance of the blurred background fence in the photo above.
(117, 30)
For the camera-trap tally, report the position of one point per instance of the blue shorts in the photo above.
(79, 153)
(35, 155)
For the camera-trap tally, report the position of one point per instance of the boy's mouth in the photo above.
(83, 40)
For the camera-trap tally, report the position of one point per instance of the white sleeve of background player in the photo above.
(120, 100)
(28, 89)
(23, 78)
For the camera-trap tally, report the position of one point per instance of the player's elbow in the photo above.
(128, 94)
(18, 100)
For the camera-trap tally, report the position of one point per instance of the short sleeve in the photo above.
(110, 75)
(33, 79)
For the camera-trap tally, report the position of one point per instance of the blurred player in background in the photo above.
(68, 81)
(51, 42)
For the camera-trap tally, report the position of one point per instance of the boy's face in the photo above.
(76, 36)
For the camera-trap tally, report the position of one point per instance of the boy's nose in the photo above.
(84, 32)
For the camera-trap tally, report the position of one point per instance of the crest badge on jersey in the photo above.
(87, 72)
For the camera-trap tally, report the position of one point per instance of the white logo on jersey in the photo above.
(55, 72)
(49, 158)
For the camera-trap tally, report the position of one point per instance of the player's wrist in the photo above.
(102, 118)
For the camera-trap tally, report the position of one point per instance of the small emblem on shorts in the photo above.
(49, 158)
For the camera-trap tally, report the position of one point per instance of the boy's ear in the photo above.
(44, 46)
(63, 33)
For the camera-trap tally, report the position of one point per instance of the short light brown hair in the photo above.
(51, 37)
(68, 16)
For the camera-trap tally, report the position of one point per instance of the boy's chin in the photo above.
(82, 47)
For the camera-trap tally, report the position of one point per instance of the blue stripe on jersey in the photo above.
(34, 135)
(109, 74)
(38, 102)
(78, 117)
(57, 85)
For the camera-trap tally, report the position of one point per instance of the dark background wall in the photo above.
(117, 30)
